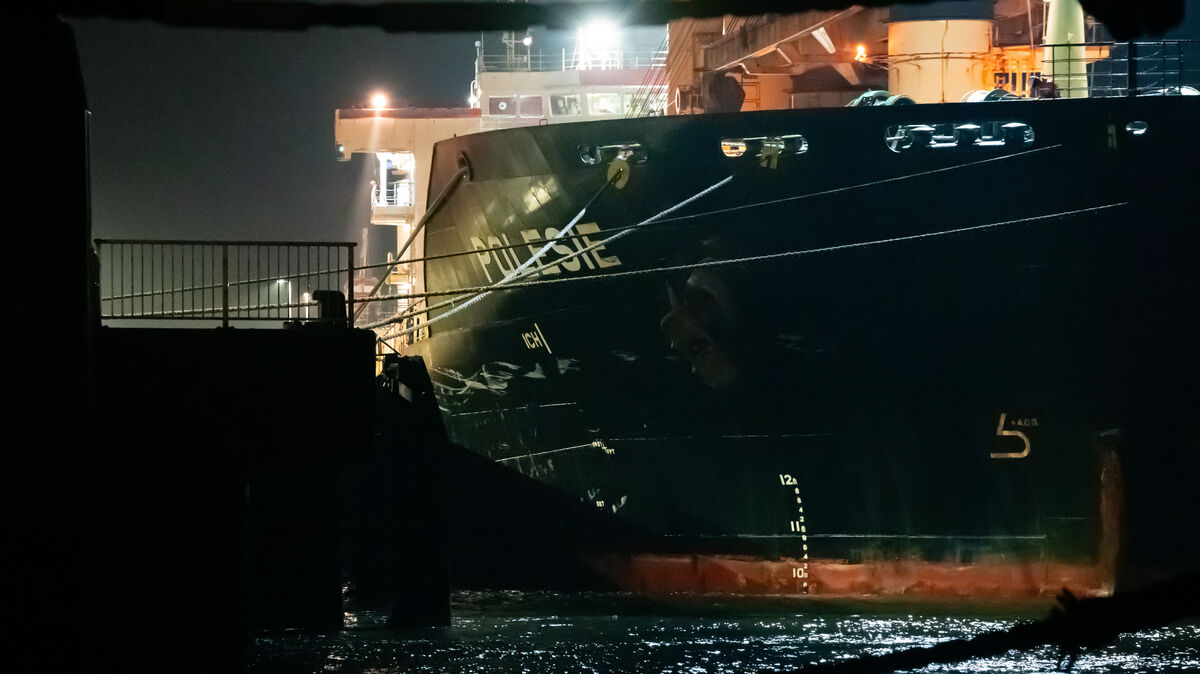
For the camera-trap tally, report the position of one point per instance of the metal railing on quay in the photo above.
(225, 281)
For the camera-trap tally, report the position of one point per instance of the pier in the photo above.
(250, 473)
(214, 489)
(226, 401)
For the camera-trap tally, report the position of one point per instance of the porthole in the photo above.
(792, 143)
(733, 147)
(589, 154)
(631, 152)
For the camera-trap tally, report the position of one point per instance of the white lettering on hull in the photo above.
(535, 339)
(497, 258)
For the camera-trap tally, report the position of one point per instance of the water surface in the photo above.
(550, 632)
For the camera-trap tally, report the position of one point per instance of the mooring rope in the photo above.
(433, 208)
(881, 181)
(661, 218)
(769, 256)
(518, 272)
(437, 202)
(756, 204)
(483, 291)
(549, 244)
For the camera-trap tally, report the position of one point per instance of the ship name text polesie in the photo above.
(498, 258)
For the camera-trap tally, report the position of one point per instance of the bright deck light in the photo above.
(600, 35)
(379, 100)
(598, 45)
(860, 53)
(527, 40)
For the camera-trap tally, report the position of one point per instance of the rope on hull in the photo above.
(759, 258)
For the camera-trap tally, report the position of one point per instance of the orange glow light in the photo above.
(860, 53)
(379, 101)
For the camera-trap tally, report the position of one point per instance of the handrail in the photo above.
(153, 279)
(393, 195)
(1100, 69)
(434, 206)
(540, 62)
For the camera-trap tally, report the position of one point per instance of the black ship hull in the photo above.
(884, 364)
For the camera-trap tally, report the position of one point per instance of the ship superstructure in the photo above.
(934, 52)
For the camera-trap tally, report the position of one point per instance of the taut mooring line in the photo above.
(770, 256)
(484, 291)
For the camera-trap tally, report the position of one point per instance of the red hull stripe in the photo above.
(665, 574)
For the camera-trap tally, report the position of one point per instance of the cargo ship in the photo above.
(882, 349)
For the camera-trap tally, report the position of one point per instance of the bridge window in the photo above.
(531, 106)
(604, 104)
(642, 103)
(565, 105)
(502, 105)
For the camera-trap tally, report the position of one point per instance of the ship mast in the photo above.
(513, 57)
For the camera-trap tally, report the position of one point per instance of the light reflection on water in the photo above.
(545, 632)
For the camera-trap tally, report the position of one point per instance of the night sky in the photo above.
(219, 134)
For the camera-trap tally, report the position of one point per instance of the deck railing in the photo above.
(539, 62)
(398, 194)
(225, 281)
(1107, 69)
(1157, 67)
